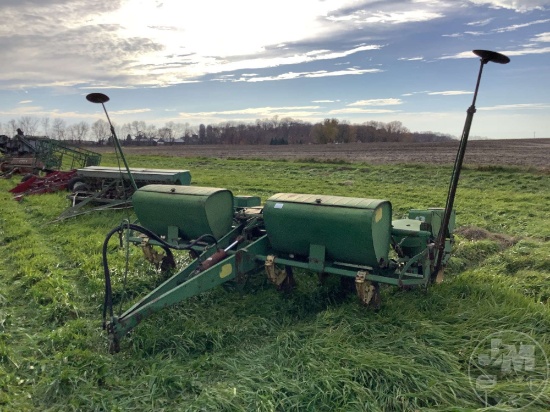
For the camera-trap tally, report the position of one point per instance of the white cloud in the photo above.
(515, 27)
(521, 52)
(131, 43)
(388, 17)
(542, 37)
(357, 110)
(377, 102)
(520, 6)
(475, 33)
(449, 93)
(536, 106)
(319, 73)
(253, 111)
(480, 22)
(131, 111)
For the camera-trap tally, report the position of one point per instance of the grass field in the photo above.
(315, 349)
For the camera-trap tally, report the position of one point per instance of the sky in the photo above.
(213, 61)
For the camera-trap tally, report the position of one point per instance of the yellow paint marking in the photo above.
(226, 270)
(378, 215)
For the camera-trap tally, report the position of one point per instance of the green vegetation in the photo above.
(315, 349)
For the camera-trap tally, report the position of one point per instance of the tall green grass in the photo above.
(314, 349)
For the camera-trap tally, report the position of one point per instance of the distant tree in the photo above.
(59, 128)
(137, 126)
(346, 133)
(12, 127)
(77, 132)
(325, 132)
(29, 125)
(166, 134)
(100, 129)
(202, 133)
(210, 136)
(150, 131)
(45, 126)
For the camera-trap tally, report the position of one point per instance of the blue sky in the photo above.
(213, 61)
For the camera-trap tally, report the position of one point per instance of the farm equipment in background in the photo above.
(32, 154)
(35, 185)
(230, 238)
(110, 187)
(98, 188)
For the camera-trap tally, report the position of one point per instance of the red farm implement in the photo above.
(34, 185)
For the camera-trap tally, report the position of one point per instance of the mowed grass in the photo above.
(315, 349)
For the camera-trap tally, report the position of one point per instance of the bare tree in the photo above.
(138, 126)
(12, 127)
(101, 130)
(150, 131)
(45, 125)
(59, 128)
(5, 129)
(81, 130)
(396, 127)
(29, 125)
(166, 134)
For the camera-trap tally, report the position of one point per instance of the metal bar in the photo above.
(486, 56)
(218, 274)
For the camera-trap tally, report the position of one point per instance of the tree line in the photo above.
(264, 131)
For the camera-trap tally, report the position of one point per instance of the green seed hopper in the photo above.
(231, 238)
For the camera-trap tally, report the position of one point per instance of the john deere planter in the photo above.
(231, 238)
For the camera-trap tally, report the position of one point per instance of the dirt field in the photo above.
(516, 152)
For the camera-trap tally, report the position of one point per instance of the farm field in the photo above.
(508, 152)
(317, 348)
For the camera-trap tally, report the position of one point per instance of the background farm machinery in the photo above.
(230, 238)
(41, 161)
(99, 187)
(31, 154)
(93, 187)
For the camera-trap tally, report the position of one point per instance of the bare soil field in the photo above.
(506, 152)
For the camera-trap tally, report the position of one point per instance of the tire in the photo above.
(72, 183)
(27, 177)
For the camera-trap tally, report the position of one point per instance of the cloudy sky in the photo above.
(212, 61)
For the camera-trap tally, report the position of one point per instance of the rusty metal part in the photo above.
(151, 254)
(367, 291)
(282, 278)
(162, 261)
(274, 274)
(218, 256)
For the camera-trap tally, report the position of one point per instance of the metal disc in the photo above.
(492, 56)
(97, 98)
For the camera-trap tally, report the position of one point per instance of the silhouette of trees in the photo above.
(272, 131)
